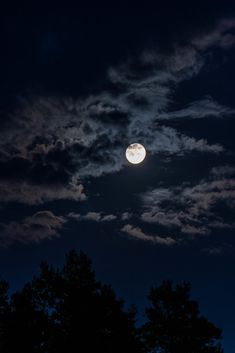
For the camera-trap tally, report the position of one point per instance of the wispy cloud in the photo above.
(92, 216)
(33, 229)
(137, 233)
(218, 250)
(126, 215)
(223, 171)
(222, 35)
(57, 143)
(204, 108)
(35, 194)
(192, 209)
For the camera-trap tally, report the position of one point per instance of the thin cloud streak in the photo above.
(92, 216)
(137, 233)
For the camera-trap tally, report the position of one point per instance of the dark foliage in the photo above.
(175, 325)
(68, 310)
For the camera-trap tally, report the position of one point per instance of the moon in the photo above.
(135, 153)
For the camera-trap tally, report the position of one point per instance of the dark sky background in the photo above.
(78, 85)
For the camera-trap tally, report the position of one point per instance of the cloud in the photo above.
(204, 108)
(173, 143)
(33, 229)
(192, 209)
(222, 35)
(43, 225)
(33, 194)
(92, 216)
(126, 215)
(137, 233)
(108, 218)
(53, 145)
(218, 250)
(224, 170)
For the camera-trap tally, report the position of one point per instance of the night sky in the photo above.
(78, 85)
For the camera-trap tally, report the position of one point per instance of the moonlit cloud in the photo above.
(43, 225)
(191, 209)
(137, 233)
(51, 146)
(126, 215)
(92, 216)
(222, 35)
(224, 170)
(24, 192)
(57, 143)
(204, 108)
(218, 250)
(33, 229)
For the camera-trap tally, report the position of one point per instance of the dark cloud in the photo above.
(222, 35)
(92, 216)
(33, 229)
(204, 108)
(137, 233)
(218, 250)
(50, 146)
(126, 215)
(224, 170)
(192, 209)
(34, 194)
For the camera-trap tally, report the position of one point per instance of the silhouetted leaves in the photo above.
(68, 310)
(175, 325)
(4, 313)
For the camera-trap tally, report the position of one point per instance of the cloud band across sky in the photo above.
(50, 147)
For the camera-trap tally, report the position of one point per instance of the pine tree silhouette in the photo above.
(175, 324)
(68, 310)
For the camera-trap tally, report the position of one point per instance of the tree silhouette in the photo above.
(4, 314)
(175, 325)
(26, 325)
(68, 310)
(91, 316)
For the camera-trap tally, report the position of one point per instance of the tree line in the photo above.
(68, 310)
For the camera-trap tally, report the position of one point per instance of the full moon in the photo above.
(135, 153)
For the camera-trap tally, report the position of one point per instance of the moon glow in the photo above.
(135, 153)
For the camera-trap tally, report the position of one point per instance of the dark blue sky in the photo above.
(77, 87)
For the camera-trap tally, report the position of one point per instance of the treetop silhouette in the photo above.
(175, 325)
(68, 310)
